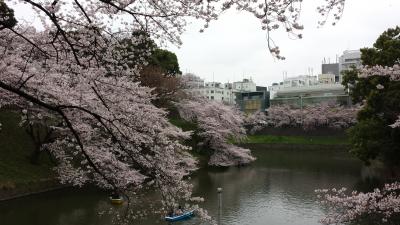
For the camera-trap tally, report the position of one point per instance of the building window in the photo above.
(212, 91)
(222, 98)
(212, 97)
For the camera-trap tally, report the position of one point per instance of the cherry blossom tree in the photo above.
(218, 125)
(110, 133)
(312, 116)
(254, 122)
(380, 205)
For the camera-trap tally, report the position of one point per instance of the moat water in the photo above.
(277, 189)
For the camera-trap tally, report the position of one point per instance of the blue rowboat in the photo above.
(184, 216)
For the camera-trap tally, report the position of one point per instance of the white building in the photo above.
(292, 83)
(244, 85)
(326, 78)
(348, 59)
(191, 81)
(306, 85)
(300, 81)
(218, 92)
(274, 88)
(211, 90)
(331, 89)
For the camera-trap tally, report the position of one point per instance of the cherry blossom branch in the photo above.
(382, 203)
(58, 110)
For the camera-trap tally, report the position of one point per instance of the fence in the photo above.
(309, 100)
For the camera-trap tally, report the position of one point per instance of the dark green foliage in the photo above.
(370, 140)
(166, 60)
(360, 88)
(7, 19)
(199, 150)
(160, 58)
(386, 50)
(372, 137)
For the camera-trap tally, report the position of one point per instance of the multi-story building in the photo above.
(349, 59)
(307, 90)
(300, 81)
(253, 101)
(218, 92)
(245, 94)
(331, 68)
(191, 81)
(292, 82)
(244, 85)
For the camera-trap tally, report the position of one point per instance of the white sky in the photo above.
(235, 47)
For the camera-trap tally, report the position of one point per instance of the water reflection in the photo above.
(278, 189)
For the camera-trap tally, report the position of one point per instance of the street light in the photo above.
(349, 86)
(301, 108)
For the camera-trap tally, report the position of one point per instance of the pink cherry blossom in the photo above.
(347, 207)
(312, 116)
(218, 125)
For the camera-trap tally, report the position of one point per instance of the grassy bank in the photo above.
(17, 173)
(296, 140)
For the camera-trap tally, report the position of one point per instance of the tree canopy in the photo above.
(378, 88)
(7, 19)
(166, 60)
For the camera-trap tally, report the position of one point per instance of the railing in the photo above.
(302, 101)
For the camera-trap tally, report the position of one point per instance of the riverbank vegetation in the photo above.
(18, 174)
(326, 115)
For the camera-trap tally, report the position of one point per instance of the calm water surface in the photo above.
(278, 189)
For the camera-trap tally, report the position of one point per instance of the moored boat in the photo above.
(116, 200)
(184, 216)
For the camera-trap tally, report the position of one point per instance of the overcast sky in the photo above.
(235, 47)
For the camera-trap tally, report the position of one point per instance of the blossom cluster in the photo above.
(392, 72)
(219, 124)
(255, 122)
(396, 123)
(312, 116)
(347, 207)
